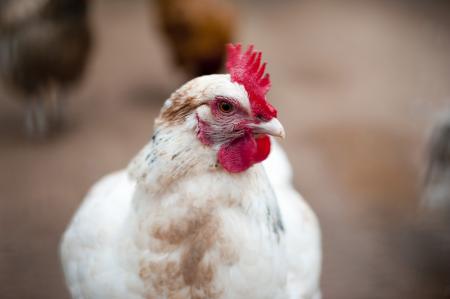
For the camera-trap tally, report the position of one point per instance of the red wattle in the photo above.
(263, 148)
(243, 152)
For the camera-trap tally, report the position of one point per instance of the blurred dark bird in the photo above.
(437, 180)
(44, 48)
(429, 237)
(197, 31)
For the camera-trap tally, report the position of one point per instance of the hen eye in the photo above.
(226, 107)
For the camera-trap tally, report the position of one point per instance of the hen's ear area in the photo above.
(176, 110)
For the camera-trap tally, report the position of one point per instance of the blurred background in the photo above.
(362, 88)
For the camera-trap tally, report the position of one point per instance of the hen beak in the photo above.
(272, 127)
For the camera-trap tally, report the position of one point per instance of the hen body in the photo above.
(97, 250)
(44, 47)
(179, 225)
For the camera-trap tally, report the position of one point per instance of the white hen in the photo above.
(197, 216)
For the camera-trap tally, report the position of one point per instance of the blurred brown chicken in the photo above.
(197, 31)
(44, 47)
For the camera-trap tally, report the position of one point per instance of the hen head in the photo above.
(229, 113)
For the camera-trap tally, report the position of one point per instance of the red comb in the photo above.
(246, 69)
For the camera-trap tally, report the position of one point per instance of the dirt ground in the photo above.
(358, 84)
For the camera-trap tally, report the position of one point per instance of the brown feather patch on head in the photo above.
(178, 111)
(182, 103)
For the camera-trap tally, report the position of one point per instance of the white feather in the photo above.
(303, 242)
